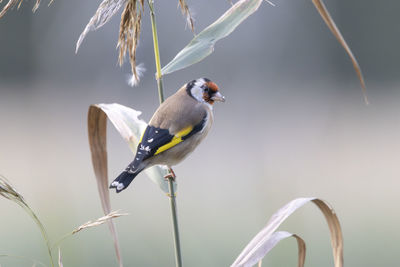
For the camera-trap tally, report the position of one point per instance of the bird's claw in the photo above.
(171, 175)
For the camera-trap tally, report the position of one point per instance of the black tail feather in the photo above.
(123, 180)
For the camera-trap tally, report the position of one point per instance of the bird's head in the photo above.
(204, 91)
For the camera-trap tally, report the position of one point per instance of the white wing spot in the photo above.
(147, 148)
(120, 186)
(156, 131)
(150, 140)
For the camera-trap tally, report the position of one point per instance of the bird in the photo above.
(177, 127)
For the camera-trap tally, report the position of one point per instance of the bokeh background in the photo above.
(294, 124)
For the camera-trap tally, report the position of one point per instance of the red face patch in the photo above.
(212, 86)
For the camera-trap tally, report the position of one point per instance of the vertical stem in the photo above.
(172, 201)
(172, 197)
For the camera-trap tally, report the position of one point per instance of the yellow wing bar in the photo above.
(175, 140)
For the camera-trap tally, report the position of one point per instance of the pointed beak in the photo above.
(218, 97)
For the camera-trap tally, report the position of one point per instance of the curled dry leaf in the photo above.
(259, 246)
(319, 5)
(270, 243)
(130, 127)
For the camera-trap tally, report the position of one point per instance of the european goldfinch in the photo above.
(175, 130)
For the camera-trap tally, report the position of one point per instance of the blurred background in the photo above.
(294, 125)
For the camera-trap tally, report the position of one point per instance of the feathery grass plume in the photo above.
(13, 3)
(106, 10)
(186, 12)
(10, 4)
(99, 221)
(129, 34)
(9, 192)
(89, 224)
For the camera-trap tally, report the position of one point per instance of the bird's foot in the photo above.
(170, 175)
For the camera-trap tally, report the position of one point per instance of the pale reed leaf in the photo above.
(130, 127)
(104, 13)
(202, 44)
(268, 244)
(320, 6)
(280, 216)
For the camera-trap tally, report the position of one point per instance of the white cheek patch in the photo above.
(197, 91)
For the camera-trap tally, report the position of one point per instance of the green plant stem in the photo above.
(172, 196)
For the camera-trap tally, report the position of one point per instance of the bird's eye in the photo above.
(206, 90)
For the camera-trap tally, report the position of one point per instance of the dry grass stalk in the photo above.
(35, 7)
(13, 3)
(186, 12)
(129, 33)
(106, 10)
(9, 192)
(9, 5)
(99, 221)
(59, 258)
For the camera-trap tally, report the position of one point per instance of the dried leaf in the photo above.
(129, 34)
(268, 244)
(186, 12)
(202, 44)
(104, 13)
(130, 127)
(97, 124)
(252, 250)
(319, 5)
